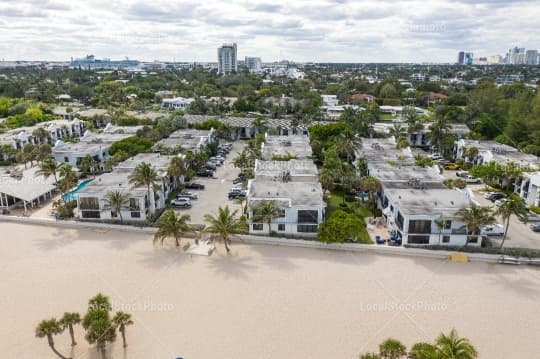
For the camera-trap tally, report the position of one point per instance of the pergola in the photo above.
(25, 187)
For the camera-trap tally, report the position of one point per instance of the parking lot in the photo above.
(216, 189)
(519, 234)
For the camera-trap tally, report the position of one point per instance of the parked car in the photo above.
(194, 185)
(181, 202)
(488, 194)
(236, 194)
(210, 166)
(189, 194)
(435, 156)
(533, 217)
(237, 180)
(535, 227)
(496, 197)
(499, 202)
(492, 230)
(472, 180)
(451, 166)
(205, 173)
(462, 174)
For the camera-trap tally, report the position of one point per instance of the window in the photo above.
(66, 159)
(447, 224)
(399, 220)
(308, 216)
(90, 214)
(418, 240)
(446, 239)
(135, 214)
(257, 226)
(472, 239)
(134, 204)
(114, 214)
(89, 203)
(419, 226)
(306, 228)
(281, 227)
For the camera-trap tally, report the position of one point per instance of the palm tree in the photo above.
(43, 151)
(224, 225)
(259, 124)
(440, 226)
(99, 302)
(101, 331)
(349, 143)
(424, 351)
(396, 130)
(392, 349)
(241, 161)
(171, 225)
(451, 346)
(438, 131)
(475, 218)
(402, 143)
(177, 167)
(370, 356)
(121, 320)
(145, 175)
(49, 328)
(513, 206)
(266, 211)
(68, 321)
(49, 167)
(115, 201)
(371, 185)
(68, 178)
(88, 164)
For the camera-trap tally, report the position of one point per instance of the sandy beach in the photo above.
(258, 302)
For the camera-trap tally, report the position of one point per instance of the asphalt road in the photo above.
(216, 189)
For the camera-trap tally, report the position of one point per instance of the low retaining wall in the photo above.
(260, 240)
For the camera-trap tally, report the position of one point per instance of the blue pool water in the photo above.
(72, 195)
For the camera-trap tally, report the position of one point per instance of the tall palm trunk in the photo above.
(505, 232)
(226, 240)
(269, 226)
(177, 242)
(72, 335)
(123, 332)
(51, 344)
(101, 348)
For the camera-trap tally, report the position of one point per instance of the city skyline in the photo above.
(324, 31)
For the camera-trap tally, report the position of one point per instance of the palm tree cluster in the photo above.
(100, 328)
(446, 346)
(476, 217)
(144, 175)
(221, 226)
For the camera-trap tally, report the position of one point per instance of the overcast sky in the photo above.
(301, 30)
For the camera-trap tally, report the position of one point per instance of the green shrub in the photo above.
(535, 209)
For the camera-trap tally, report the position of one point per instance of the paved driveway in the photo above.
(216, 189)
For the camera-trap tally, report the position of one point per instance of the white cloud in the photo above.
(302, 30)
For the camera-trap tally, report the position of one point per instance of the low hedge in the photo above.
(514, 252)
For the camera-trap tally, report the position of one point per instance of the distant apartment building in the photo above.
(254, 64)
(508, 79)
(227, 59)
(330, 100)
(461, 58)
(495, 60)
(531, 57)
(91, 63)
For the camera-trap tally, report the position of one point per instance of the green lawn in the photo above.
(386, 117)
(335, 201)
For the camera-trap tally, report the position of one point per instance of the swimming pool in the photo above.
(72, 195)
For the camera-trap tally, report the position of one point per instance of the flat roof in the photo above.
(28, 187)
(383, 149)
(115, 180)
(293, 193)
(158, 161)
(295, 167)
(430, 202)
(80, 147)
(103, 137)
(297, 145)
(385, 172)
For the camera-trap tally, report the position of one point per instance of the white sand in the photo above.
(259, 302)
